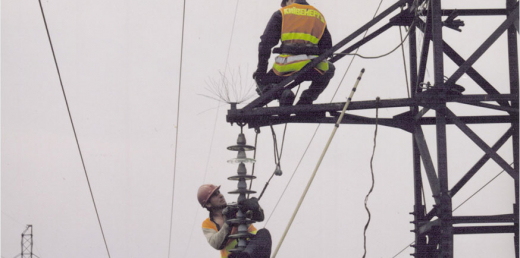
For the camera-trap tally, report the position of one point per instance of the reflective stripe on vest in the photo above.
(224, 253)
(301, 25)
(286, 65)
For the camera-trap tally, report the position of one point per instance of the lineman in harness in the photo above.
(216, 229)
(304, 35)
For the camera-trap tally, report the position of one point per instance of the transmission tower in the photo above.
(434, 229)
(27, 243)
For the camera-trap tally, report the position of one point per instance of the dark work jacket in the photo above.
(272, 35)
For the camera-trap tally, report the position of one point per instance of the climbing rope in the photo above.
(336, 126)
(373, 181)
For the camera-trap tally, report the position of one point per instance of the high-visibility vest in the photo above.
(302, 25)
(231, 243)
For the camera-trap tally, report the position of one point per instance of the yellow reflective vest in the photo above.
(302, 25)
(231, 243)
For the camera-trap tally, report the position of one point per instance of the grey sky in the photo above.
(119, 62)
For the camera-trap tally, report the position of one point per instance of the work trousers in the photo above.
(258, 247)
(318, 82)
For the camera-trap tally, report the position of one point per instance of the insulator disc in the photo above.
(241, 221)
(240, 177)
(241, 235)
(237, 250)
(241, 160)
(241, 147)
(242, 191)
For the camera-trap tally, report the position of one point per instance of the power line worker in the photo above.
(302, 29)
(217, 229)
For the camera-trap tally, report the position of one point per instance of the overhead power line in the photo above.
(177, 126)
(73, 127)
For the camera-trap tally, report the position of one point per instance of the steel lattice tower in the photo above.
(27, 243)
(434, 229)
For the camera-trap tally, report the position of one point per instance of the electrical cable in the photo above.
(275, 147)
(404, 65)
(178, 127)
(257, 131)
(277, 156)
(73, 127)
(318, 126)
(467, 199)
(373, 182)
(352, 60)
(336, 126)
(296, 169)
(214, 128)
(379, 56)
(480, 189)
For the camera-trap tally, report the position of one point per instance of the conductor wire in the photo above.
(177, 131)
(73, 128)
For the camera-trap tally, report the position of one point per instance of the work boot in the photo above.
(304, 101)
(287, 98)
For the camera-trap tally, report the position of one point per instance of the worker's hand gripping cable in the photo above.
(336, 126)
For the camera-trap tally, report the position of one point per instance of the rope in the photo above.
(373, 182)
(177, 131)
(73, 127)
(336, 126)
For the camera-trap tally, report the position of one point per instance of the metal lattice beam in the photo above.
(433, 229)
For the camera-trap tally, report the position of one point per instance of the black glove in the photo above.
(259, 77)
(250, 205)
(230, 212)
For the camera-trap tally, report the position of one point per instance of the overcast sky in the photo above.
(120, 66)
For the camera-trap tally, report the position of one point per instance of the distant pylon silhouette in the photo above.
(27, 243)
